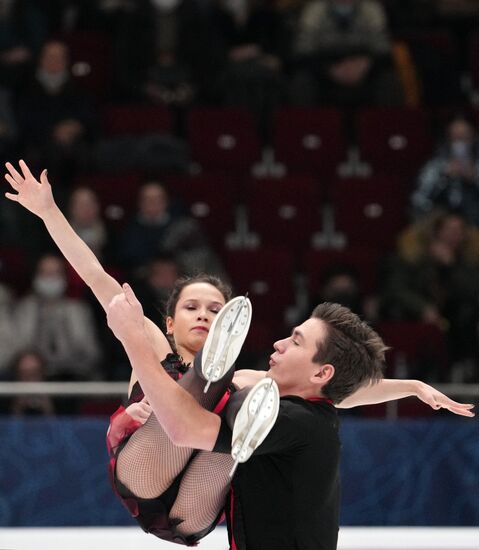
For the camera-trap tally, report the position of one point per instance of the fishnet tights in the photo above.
(149, 463)
(207, 478)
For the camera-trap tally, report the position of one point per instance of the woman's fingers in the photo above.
(13, 173)
(12, 182)
(25, 169)
(44, 177)
(12, 196)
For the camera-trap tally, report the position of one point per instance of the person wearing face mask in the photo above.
(59, 327)
(450, 180)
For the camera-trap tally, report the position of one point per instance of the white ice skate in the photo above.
(254, 420)
(225, 338)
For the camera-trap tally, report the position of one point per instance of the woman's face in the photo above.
(197, 306)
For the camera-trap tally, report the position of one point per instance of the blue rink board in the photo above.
(417, 472)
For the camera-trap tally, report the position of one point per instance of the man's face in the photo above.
(291, 365)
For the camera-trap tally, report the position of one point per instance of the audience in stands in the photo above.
(61, 328)
(57, 120)
(250, 53)
(159, 227)
(7, 331)
(342, 52)
(435, 278)
(341, 284)
(85, 217)
(154, 284)
(160, 50)
(250, 72)
(29, 366)
(23, 29)
(450, 179)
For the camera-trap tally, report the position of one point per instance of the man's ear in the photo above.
(170, 323)
(323, 374)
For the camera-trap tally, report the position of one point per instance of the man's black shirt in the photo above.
(286, 496)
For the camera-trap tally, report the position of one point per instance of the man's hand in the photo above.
(34, 195)
(437, 400)
(125, 314)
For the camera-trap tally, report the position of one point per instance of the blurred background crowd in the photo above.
(304, 150)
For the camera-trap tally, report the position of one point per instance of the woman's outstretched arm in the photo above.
(37, 197)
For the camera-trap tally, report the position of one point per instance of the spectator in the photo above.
(251, 36)
(155, 285)
(341, 284)
(158, 228)
(85, 217)
(436, 280)
(160, 48)
(29, 366)
(22, 32)
(450, 180)
(56, 119)
(61, 328)
(342, 55)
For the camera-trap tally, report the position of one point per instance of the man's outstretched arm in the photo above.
(391, 390)
(184, 420)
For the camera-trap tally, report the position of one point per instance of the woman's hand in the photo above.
(140, 411)
(34, 195)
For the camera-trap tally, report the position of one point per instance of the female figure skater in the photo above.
(173, 492)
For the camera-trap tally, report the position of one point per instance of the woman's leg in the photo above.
(250, 413)
(207, 475)
(149, 462)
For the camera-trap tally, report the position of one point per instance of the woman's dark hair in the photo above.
(183, 282)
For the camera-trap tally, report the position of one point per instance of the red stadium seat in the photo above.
(267, 275)
(370, 212)
(14, 268)
(261, 337)
(394, 140)
(136, 119)
(309, 140)
(211, 199)
(284, 211)
(223, 138)
(417, 349)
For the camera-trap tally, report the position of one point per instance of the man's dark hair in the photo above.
(354, 349)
